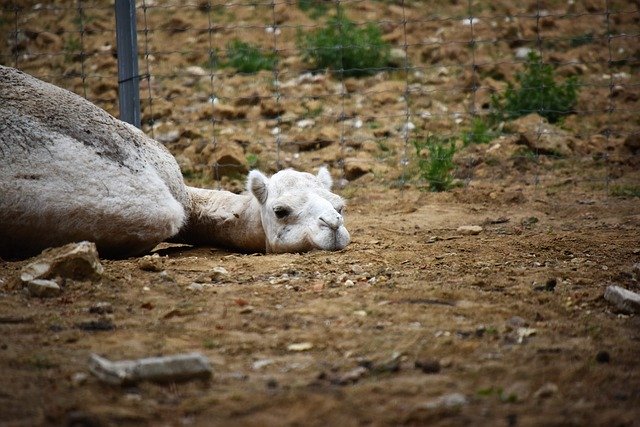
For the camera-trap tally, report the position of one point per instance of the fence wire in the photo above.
(447, 61)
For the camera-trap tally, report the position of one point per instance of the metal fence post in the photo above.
(128, 78)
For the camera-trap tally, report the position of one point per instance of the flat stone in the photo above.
(469, 230)
(540, 136)
(623, 299)
(180, 367)
(77, 261)
(43, 288)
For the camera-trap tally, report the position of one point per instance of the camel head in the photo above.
(299, 212)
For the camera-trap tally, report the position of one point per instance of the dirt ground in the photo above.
(414, 323)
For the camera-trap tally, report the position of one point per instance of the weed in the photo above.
(436, 167)
(246, 58)
(72, 47)
(314, 8)
(586, 38)
(252, 160)
(625, 191)
(537, 92)
(345, 48)
(480, 132)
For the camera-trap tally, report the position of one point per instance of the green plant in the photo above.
(247, 58)
(345, 48)
(72, 47)
(625, 191)
(435, 161)
(480, 132)
(315, 8)
(537, 92)
(252, 160)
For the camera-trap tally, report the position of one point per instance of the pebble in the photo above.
(623, 299)
(447, 401)
(79, 378)
(546, 391)
(469, 230)
(349, 283)
(300, 346)
(150, 263)
(603, 356)
(43, 288)
(101, 308)
(428, 366)
(195, 286)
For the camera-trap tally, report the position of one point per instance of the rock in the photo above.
(226, 158)
(300, 346)
(195, 286)
(150, 263)
(397, 57)
(103, 324)
(546, 391)
(165, 369)
(77, 261)
(351, 377)
(42, 288)
(428, 366)
(314, 141)
(632, 142)
(270, 108)
(624, 300)
(79, 378)
(221, 112)
(469, 230)
(168, 137)
(603, 356)
(101, 308)
(354, 168)
(386, 92)
(535, 132)
(447, 401)
(196, 71)
(522, 52)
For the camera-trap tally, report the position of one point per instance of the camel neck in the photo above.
(224, 219)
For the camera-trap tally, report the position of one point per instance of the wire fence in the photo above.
(446, 67)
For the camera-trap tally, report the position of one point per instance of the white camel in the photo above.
(69, 171)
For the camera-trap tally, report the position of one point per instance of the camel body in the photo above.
(69, 171)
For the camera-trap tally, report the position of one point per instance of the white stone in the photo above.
(43, 288)
(469, 230)
(624, 299)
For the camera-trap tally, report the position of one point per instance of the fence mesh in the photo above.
(443, 68)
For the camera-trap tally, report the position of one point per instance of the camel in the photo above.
(69, 172)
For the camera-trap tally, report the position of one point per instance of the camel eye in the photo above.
(340, 209)
(281, 212)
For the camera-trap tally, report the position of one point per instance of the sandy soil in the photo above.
(413, 323)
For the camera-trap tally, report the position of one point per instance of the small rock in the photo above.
(357, 269)
(196, 71)
(168, 137)
(447, 401)
(150, 263)
(603, 356)
(101, 308)
(103, 324)
(428, 366)
(43, 288)
(546, 391)
(522, 52)
(218, 273)
(79, 378)
(78, 261)
(623, 299)
(349, 283)
(259, 364)
(515, 322)
(164, 369)
(354, 168)
(195, 286)
(352, 376)
(469, 230)
(300, 346)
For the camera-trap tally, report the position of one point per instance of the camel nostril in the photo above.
(334, 225)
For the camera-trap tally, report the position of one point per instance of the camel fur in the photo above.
(69, 171)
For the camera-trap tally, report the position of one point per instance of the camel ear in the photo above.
(325, 177)
(257, 185)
